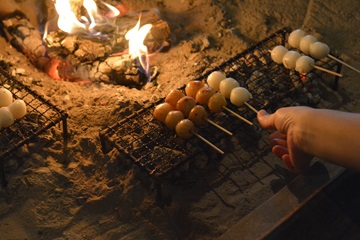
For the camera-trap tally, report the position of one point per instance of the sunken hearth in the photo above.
(96, 163)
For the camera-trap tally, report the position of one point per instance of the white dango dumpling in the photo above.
(6, 117)
(6, 97)
(185, 128)
(214, 79)
(319, 50)
(295, 37)
(18, 109)
(239, 96)
(277, 53)
(304, 64)
(305, 43)
(290, 58)
(227, 85)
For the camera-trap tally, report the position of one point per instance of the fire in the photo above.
(87, 26)
(68, 21)
(137, 49)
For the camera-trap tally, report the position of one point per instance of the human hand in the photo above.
(285, 143)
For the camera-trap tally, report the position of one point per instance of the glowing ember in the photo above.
(137, 49)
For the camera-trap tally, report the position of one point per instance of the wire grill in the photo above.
(158, 151)
(41, 115)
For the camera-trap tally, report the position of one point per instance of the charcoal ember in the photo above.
(312, 99)
(263, 56)
(257, 78)
(295, 79)
(220, 118)
(286, 102)
(240, 69)
(251, 60)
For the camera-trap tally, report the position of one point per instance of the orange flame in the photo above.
(69, 23)
(137, 49)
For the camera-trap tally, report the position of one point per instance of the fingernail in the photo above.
(262, 113)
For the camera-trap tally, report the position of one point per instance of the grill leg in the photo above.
(163, 198)
(2, 173)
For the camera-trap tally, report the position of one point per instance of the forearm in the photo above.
(331, 135)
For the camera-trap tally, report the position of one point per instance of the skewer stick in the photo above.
(238, 116)
(343, 63)
(251, 107)
(328, 71)
(207, 142)
(219, 127)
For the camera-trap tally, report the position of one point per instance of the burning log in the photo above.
(122, 69)
(84, 58)
(80, 48)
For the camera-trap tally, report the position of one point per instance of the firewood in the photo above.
(75, 58)
(25, 37)
(84, 48)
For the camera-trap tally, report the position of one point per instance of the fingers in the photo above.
(278, 138)
(300, 160)
(279, 151)
(298, 163)
(281, 120)
(283, 153)
(278, 142)
(281, 143)
(278, 134)
(266, 120)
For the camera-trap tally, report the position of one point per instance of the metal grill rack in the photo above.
(158, 151)
(41, 115)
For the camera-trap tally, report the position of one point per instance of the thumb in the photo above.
(266, 120)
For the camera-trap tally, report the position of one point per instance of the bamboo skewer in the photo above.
(237, 115)
(207, 142)
(343, 63)
(251, 107)
(219, 127)
(328, 71)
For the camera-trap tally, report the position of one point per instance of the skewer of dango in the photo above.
(311, 46)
